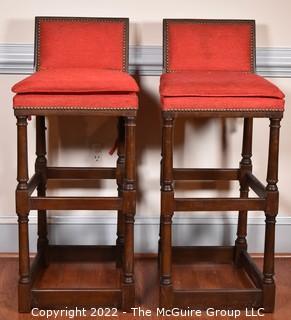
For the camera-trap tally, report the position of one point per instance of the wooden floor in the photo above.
(87, 275)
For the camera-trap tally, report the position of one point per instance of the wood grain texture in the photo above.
(146, 270)
(264, 294)
(30, 294)
(245, 168)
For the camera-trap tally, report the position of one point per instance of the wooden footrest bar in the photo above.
(75, 203)
(219, 204)
(33, 183)
(62, 298)
(80, 173)
(218, 298)
(205, 174)
(82, 253)
(72, 173)
(256, 185)
(251, 268)
(188, 255)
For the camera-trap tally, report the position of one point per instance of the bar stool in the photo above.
(81, 70)
(209, 71)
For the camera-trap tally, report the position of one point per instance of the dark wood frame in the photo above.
(124, 173)
(263, 292)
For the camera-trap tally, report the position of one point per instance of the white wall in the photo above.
(198, 143)
(273, 17)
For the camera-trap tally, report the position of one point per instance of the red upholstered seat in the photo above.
(218, 90)
(81, 63)
(221, 104)
(76, 88)
(217, 84)
(77, 80)
(209, 66)
(75, 101)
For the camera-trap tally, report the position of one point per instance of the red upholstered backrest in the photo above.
(81, 42)
(210, 45)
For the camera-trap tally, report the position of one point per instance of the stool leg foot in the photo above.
(40, 168)
(119, 181)
(271, 213)
(24, 284)
(128, 297)
(24, 305)
(166, 296)
(166, 288)
(167, 210)
(128, 286)
(245, 167)
(269, 288)
(22, 209)
(129, 204)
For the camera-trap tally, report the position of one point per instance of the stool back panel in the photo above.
(209, 45)
(81, 42)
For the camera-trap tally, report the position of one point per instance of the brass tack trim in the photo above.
(74, 108)
(183, 109)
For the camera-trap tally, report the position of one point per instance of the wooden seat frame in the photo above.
(125, 174)
(262, 294)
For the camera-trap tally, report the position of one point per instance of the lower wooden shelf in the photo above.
(207, 277)
(76, 276)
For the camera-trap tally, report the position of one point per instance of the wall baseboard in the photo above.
(198, 230)
(145, 60)
(199, 218)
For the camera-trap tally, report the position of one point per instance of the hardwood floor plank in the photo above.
(146, 278)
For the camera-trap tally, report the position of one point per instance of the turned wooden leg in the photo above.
(160, 227)
(40, 169)
(22, 209)
(129, 204)
(119, 180)
(245, 167)
(271, 213)
(167, 202)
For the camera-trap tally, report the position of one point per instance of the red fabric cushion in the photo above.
(89, 43)
(221, 104)
(206, 45)
(218, 90)
(217, 84)
(75, 101)
(68, 80)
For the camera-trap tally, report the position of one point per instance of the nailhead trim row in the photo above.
(223, 110)
(75, 108)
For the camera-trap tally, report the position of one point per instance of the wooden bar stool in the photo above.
(81, 70)
(209, 70)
